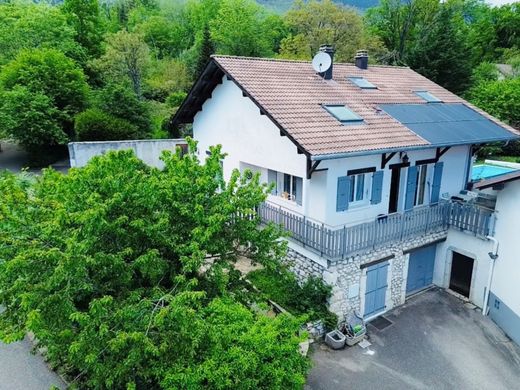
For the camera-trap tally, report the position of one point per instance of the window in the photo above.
(428, 97)
(362, 82)
(343, 114)
(358, 188)
(421, 187)
(286, 186)
(354, 189)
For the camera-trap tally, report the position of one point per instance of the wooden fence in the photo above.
(345, 241)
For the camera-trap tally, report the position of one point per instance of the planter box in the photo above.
(353, 340)
(335, 339)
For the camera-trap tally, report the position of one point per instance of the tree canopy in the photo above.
(125, 275)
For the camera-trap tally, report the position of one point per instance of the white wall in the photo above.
(506, 279)
(149, 151)
(467, 245)
(453, 180)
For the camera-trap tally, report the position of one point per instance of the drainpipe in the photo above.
(493, 255)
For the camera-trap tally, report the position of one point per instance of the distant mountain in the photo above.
(284, 5)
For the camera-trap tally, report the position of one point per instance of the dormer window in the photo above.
(428, 97)
(362, 83)
(343, 114)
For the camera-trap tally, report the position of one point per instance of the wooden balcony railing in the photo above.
(335, 243)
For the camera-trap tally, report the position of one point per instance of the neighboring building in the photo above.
(364, 161)
(148, 150)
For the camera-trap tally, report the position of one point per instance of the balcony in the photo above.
(340, 242)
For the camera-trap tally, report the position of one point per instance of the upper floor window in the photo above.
(361, 82)
(286, 186)
(428, 97)
(359, 187)
(421, 193)
(343, 114)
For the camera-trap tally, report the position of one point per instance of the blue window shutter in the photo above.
(437, 178)
(298, 181)
(377, 187)
(411, 186)
(344, 183)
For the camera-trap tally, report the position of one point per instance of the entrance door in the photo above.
(420, 269)
(461, 273)
(393, 204)
(376, 288)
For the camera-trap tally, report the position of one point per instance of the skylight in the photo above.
(362, 82)
(430, 98)
(343, 114)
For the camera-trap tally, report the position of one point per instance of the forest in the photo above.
(118, 69)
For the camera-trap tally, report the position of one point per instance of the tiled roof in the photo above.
(292, 95)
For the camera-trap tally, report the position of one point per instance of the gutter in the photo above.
(493, 255)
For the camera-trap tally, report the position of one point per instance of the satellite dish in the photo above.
(321, 62)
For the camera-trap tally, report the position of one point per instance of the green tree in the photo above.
(206, 49)
(34, 26)
(85, 18)
(315, 23)
(127, 57)
(58, 88)
(125, 274)
(96, 125)
(441, 52)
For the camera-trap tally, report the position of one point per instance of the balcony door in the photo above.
(395, 185)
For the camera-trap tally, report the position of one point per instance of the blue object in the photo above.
(427, 96)
(504, 317)
(411, 187)
(362, 82)
(343, 113)
(344, 183)
(445, 124)
(486, 171)
(377, 187)
(420, 269)
(437, 178)
(376, 288)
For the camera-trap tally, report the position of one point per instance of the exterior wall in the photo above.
(453, 180)
(147, 150)
(467, 245)
(234, 121)
(506, 277)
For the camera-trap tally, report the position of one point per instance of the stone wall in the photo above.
(348, 278)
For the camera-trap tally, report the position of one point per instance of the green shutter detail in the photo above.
(411, 187)
(377, 187)
(437, 178)
(344, 183)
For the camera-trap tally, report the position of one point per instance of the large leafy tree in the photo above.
(41, 91)
(125, 274)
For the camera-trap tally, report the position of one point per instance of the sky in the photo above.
(500, 2)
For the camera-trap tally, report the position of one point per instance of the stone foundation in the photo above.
(348, 278)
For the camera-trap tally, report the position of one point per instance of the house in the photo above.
(364, 161)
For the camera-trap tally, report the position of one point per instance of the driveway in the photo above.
(435, 342)
(22, 370)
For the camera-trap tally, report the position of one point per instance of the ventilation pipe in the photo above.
(493, 255)
(362, 59)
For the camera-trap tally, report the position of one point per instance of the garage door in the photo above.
(420, 269)
(376, 288)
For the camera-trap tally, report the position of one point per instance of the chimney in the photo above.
(329, 49)
(362, 59)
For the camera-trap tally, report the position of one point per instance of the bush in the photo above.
(308, 299)
(97, 125)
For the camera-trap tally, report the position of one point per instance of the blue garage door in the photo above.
(420, 269)
(376, 288)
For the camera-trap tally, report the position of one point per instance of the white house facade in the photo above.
(366, 165)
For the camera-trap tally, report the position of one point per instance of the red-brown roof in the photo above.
(292, 95)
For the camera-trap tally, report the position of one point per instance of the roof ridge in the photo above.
(271, 59)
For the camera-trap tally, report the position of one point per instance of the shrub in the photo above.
(97, 125)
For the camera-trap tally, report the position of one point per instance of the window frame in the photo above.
(369, 84)
(423, 186)
(356, 119)
(365, 179)
(423, 94)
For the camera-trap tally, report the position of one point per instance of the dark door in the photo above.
(461, 273)
(394, 190)
(420, 269)
(375, 294)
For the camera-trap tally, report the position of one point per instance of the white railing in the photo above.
(345, 241)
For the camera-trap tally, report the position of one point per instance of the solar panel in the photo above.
(447, 124)
(362, 82)
(427, 96)
(343, 113)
